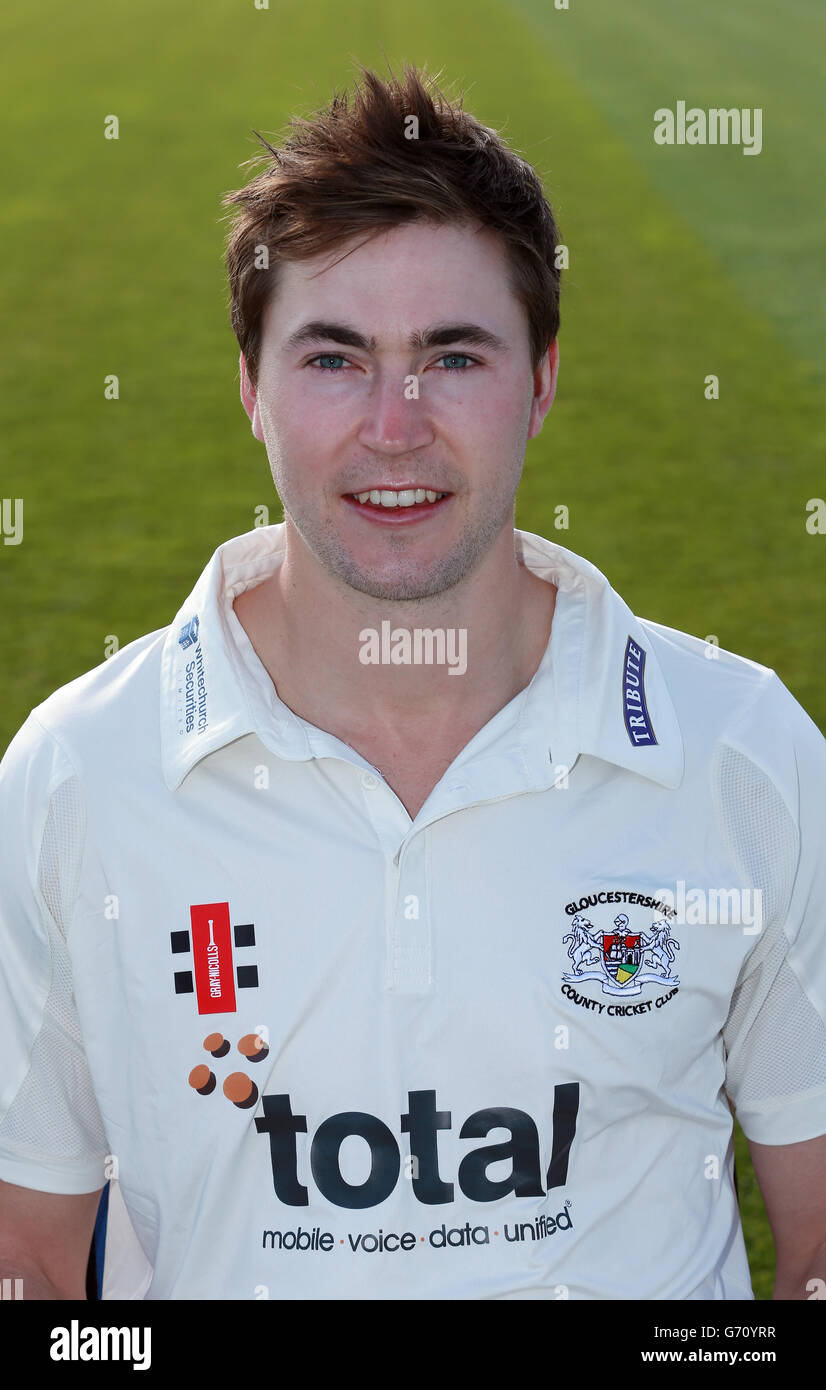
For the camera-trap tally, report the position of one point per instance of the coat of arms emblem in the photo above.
(621, 960)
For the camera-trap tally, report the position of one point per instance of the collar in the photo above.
(601, 689)
(598, 690)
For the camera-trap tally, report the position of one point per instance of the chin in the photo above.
(391, 588)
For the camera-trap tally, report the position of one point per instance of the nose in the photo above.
(395, 419)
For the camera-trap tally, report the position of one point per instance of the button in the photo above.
(368, 781)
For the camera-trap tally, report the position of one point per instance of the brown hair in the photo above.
(351, 169)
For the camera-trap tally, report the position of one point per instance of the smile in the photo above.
(408, 497)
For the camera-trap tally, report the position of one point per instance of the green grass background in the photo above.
(684, 261)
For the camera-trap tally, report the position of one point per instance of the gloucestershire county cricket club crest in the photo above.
(622, 959)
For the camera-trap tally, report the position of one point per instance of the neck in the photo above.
(312, 632)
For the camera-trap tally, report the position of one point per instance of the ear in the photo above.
(544, 388)
(249, 399)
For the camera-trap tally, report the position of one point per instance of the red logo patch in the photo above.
(212, 953)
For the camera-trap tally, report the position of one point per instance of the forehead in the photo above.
(392, 282)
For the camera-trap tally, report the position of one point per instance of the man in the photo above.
(323, 938)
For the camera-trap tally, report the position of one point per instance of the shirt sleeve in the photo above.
(775, 1034)
(52, 1137)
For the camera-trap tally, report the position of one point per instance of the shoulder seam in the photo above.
(50, 733)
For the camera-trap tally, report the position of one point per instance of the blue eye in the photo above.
(463, 357)
(327, 356)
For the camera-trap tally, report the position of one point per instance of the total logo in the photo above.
(423, 1121)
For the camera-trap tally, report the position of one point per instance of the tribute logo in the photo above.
(422, 1122)
(634, 707)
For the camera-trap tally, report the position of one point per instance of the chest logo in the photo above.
(209, 945)
(622, 958)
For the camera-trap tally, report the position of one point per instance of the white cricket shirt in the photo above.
(328, 1052)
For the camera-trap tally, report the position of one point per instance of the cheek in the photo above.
(501, 408)
(494, 431)
(309, 415)
(294, 429)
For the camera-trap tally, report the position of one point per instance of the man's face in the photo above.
(388, 414)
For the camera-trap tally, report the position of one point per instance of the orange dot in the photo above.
(421, 1237)
(199, 1076)
(341, 1242)
(237, 1087)
(213, 1041)
(251, 1045)
(496, 1233)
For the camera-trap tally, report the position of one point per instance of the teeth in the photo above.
(408, 497)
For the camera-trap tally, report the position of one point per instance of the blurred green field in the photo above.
(684, 262)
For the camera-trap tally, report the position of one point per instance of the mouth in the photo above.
(397, 505)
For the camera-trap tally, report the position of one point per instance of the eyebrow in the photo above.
(440, 335)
